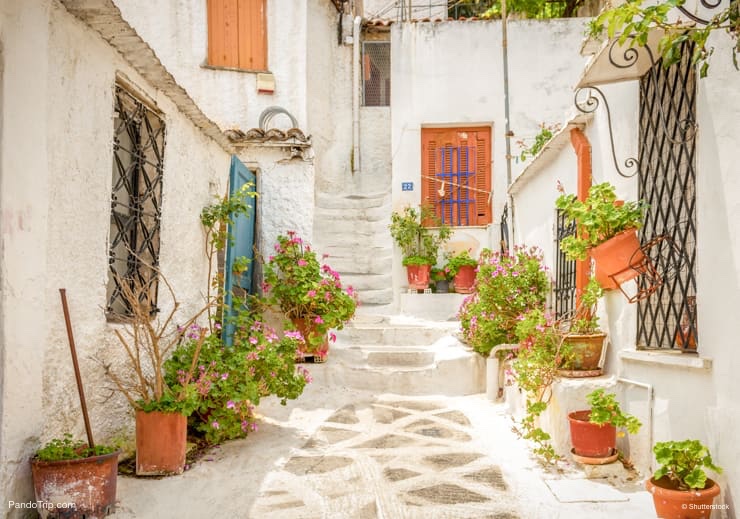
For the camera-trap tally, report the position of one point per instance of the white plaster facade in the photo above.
(450, 74)
(695, 395)
(56, 157)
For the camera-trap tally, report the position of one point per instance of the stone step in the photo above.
(453, 370)
(361, 282)
(380, 297)
(386, 356)
(400, 335)
(331, 201)
(361, 265)
(359, 230)
(380, 214)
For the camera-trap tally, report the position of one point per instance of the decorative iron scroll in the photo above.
(589, 105)
(705, 4)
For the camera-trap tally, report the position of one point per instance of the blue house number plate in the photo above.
(407, 186)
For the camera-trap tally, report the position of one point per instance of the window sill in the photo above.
(235, 69)
(666, 358)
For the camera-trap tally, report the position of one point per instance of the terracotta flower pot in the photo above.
(465, 279)
(584, 351)
(671, 503)
(161, 441)
(591, 440)
(418, 276)
(307, 327)
(89, 483)
(617, 259)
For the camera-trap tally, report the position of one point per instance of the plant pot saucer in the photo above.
(580, 373)
(595, 461)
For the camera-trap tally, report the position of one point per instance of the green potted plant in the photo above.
(161, 408)
(310, 294)
(462, 267)
(441, 278)
(583, 340)
(607, 229)
(86, 477)
(680, 487)
(419, 244)
(593, 432)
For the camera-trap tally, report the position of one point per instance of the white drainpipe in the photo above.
(495, 372)
(651, 401)
(356, 95)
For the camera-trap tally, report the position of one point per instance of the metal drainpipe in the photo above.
(495, 371)
(651, 401)
(356, 95)
(508, 134)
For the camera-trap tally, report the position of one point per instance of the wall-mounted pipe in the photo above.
(495, 372)
(651, 401)
(356, 95)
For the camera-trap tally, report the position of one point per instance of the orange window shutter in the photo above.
(223, 33)
(483, 178)
(428, 168)
(252, 35)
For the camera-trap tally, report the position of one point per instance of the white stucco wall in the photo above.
(56, 185)
(177, 30)
(450, 74)
(24, 193)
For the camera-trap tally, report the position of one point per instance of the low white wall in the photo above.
(56, 195)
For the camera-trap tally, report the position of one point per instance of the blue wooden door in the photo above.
(241, 244)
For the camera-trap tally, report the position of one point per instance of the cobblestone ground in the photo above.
(405, 458)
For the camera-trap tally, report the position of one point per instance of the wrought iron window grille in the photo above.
(376, 73)
(136, 205)
(505, 230)
(564, 288)
(666, 172)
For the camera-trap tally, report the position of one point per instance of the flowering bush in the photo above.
(505, 288)
(231, 380)
(310, 294)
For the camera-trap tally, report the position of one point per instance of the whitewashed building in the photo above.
(668, 137)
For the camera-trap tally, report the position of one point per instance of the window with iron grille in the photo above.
(376, 73)
(456, 174)
(565, 270)
(136, 204)
(667, 318)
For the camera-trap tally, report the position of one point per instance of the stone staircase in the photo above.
(405, 356)
(353, 231)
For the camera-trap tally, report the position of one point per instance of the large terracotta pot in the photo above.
(89, 483)
(671, 503)
(161, 442)
(617, 258)
(307, 328)
(591, 440)
(465, 279)
(584, 351)
(418, 276)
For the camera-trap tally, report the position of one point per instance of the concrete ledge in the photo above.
(666, 358)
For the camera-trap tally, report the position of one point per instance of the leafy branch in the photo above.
(633, 22)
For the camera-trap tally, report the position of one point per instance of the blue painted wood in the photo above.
(241, 244)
